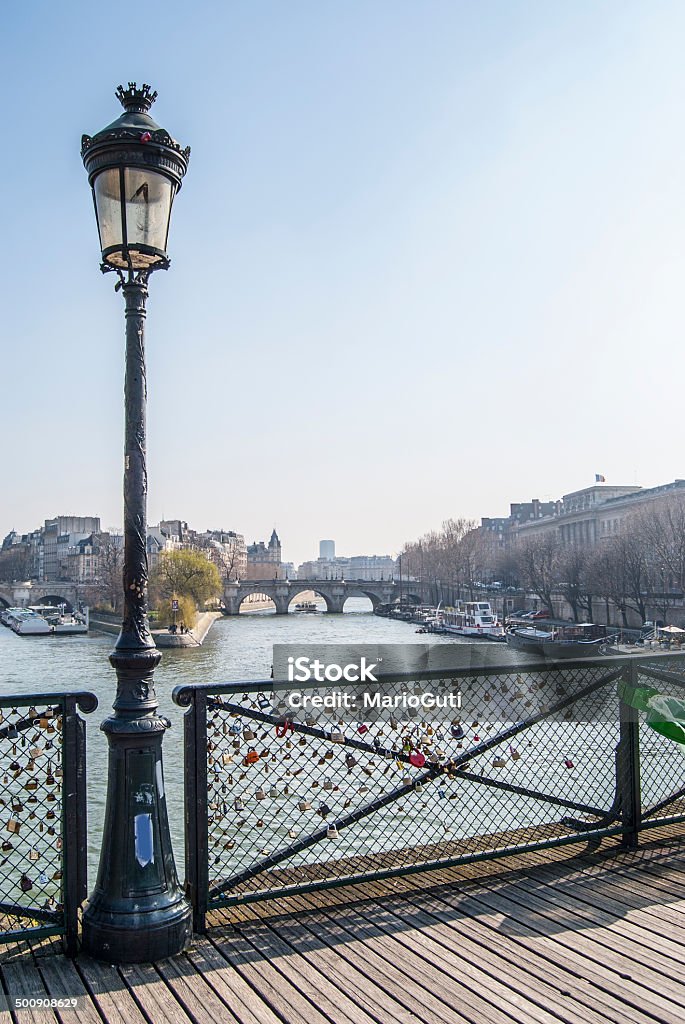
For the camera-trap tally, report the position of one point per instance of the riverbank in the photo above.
(194, 636)
(163, 638)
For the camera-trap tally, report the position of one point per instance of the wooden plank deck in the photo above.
(566, 935)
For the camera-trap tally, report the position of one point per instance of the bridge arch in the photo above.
(259, 592)
(295, 593)
(55, 600)
(364, 592)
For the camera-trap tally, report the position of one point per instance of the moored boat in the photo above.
(580, 640)
(471, 618)
(25, 622)
(45, 620)
(62, 622)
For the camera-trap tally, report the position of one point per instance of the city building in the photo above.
(58, 535)
(327, 550)
(358, 567)
(264, 560)
(165, 536)
(593, 514)
(94, 559)
(227, 550)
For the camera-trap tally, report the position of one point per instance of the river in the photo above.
(236, 648)
(240, 648)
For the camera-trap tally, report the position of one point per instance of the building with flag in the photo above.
(593, 514)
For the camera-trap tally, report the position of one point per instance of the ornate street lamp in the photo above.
(137, 911)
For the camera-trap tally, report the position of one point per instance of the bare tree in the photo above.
(575, 579)
(537, 560)
(621, 572)
(15, 563)
(662, 531)
(110, 567)
(448, 558)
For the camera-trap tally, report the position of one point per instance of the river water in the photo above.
(237, 648)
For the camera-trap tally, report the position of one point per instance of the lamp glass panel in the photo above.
(148, 207)
(108, 206)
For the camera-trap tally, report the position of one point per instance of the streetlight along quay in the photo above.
(137, 911)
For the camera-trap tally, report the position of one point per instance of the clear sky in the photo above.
(429, 258)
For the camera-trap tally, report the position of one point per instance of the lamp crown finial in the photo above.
(139, 100)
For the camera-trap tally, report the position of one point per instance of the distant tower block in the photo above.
(327, 549)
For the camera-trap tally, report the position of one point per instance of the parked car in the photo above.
(544, 613)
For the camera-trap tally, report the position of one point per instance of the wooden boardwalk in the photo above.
(562, 936)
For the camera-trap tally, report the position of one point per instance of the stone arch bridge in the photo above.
(20, 595)
(333, 592)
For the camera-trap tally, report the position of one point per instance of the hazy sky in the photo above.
(429, 258)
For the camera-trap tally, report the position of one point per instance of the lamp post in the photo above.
(137, 911)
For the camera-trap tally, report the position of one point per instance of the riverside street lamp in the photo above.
(137, 911)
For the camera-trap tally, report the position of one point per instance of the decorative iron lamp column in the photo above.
(137, 911)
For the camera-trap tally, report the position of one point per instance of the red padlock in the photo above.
(417, 758)
(568, 763)
(251, 757)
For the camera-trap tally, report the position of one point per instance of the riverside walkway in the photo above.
(584, 934)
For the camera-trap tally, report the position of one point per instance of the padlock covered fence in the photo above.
(279, 802)
(43, 816)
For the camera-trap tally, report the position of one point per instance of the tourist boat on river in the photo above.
(306, 606)
(25, 622)
(45, 620)
(63, 623)
(470, 618)
(579, 640)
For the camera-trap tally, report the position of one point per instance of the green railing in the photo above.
(276, 804)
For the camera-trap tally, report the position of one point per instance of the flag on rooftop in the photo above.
(600, 479)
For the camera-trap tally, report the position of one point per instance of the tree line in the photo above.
(640, 565)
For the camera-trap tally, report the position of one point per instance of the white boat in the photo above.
(472, 618)
(6, 613)
(62, 622)
(45, 620)
(25, 622)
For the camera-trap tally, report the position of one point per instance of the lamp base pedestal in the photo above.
(144, 935)
(137, 912)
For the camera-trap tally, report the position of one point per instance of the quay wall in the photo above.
(112, 624)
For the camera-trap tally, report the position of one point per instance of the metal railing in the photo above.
(276, 804)
(43, 820)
